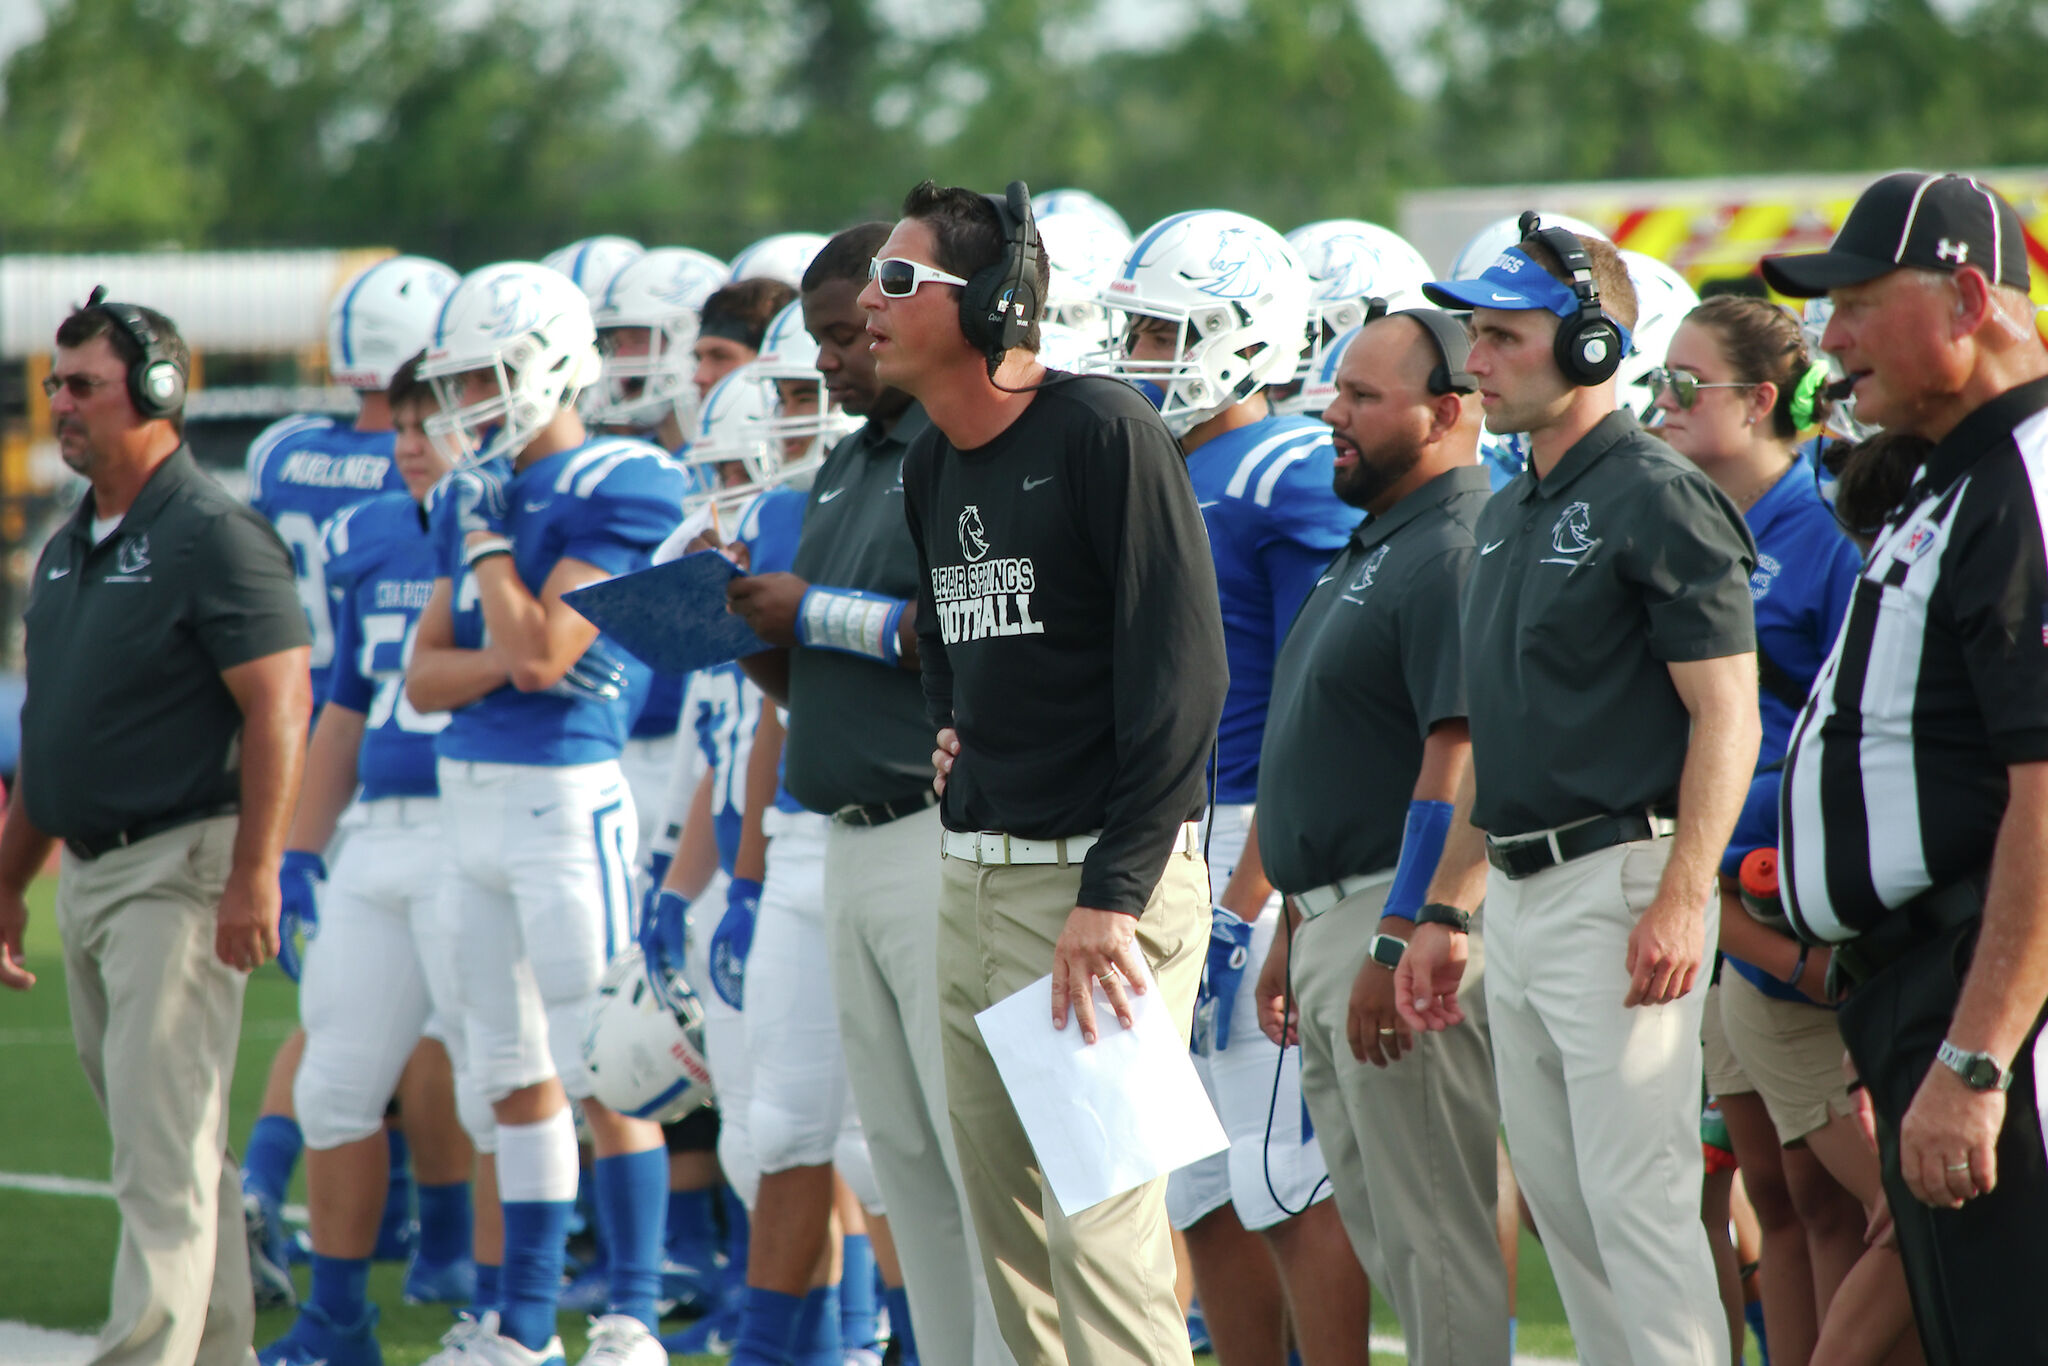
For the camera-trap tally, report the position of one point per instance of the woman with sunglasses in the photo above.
(1736, 393)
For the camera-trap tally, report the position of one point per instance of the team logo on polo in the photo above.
(1367, 572)
(973, 539)
(132, 555)
(1573, 533)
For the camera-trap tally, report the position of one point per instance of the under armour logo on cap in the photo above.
(1957, 252)
(1912, 218)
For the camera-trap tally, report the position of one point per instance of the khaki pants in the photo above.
(1602, 1107)
(1411, 1148)
(157, 1019)
(882, 931)
(1096, 1288)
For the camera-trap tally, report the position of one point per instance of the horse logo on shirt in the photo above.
(1573, 534)
(1367, 573)
(132, 555)
(973, 539)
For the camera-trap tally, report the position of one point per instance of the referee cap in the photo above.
(1912, 218)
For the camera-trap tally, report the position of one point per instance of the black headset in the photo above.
(1589, 346)
(1453, 345)
(1001, 301)
(156, 383)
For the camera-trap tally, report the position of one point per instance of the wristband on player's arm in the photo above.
(1422, 845)
(851, 621)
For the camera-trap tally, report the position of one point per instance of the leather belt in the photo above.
(91, 847)
(994, 848)
(1526, 855)
(1316, 900)
(881, 813)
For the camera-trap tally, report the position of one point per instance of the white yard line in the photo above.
(24, 1344)
(38, 1184)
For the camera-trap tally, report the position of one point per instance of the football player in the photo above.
(731, 325)
(782, 256)
(592, 262)
(1349, 262)
(1214, 308)
(538, 820)
(302, 471)
(378, 978)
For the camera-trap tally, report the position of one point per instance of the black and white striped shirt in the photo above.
(1896, 778)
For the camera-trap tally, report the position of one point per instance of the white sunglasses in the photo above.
(899, 278)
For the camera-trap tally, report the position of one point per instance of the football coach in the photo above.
(1072, 656)
(163, 734)
(1915, 801)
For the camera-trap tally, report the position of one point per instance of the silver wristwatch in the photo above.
(1979, 1071)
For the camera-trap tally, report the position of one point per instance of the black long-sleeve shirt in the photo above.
(1069, 630)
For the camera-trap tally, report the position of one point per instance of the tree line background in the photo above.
(474, 130)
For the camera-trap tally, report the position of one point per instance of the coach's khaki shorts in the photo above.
(1724, 1073)
(1792, 1051)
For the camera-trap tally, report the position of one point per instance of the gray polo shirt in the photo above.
(857, 728)
(1588, 584)
(127, 720)
(1372, 662)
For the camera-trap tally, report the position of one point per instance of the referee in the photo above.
(1915, 799)
(163, 735)
(1073, 664)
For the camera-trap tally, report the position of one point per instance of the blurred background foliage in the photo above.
(474, 130)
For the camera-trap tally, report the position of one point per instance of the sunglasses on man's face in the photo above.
(1683, 385)
(899, 278)
(81, 386)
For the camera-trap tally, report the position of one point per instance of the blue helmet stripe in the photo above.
(582, 256)
(348, 303)
(1137, 255)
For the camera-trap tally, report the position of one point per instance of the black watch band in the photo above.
(1436, 913)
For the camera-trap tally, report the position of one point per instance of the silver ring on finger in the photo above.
(1390, 1031)
(1110, 977)
(1962, 1166)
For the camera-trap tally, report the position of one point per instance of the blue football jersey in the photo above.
(1273, 526)
(770, 528)
(380, 569)
(302, 470)
(609, 503)
(720, 710)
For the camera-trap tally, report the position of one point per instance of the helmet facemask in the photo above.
(643, 389)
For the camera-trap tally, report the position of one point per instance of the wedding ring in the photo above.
(1390, 1031)
(1958, 1166)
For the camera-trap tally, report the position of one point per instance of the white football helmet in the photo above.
(1663, 298)
(1321, 385)
(735, 450)
(592, 261)
(1084, 252)
(644, 1046)
(804, 411)
(1238, 297)
(784, 256)
(1496, 237)
(1046, 203)
(661, 292)
(1813, 323)
(1350, 261)
(382, 317)
(1065, 348)
(528, 325)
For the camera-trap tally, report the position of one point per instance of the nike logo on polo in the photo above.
(1211, 503)
(1030, 484)
(828, 496)
(58, 573)
(1325, 579)
(1489, 549)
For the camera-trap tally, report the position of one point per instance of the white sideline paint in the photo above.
(24, 1344)
(37, 1184)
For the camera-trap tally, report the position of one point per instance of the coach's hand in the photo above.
(245, 926)
(1426, 983)
(943, 758)
(1096, 946)
(13, 925)
(298, 906)
(1373, 1025)
(768, 603)
(1948, 1141)
(1665, 949)
(1276, 1020)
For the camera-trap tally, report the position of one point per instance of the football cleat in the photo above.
(714, 1335)
(688, 1289)
(316, 1340)
(269, 1253)
(439, 1282)
(477, 1342)
(587, 1292)
(622, 1340)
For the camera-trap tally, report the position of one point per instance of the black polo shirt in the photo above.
(127, 720)
(1588, 585)
(1372, 662)
(858, 733)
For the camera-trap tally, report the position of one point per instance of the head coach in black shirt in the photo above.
(1610, 675)
(1072, 647)
(163, 733)
(859, 749)
(1915, 801)
(1365, 743)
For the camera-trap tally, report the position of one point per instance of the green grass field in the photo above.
(57, 1250)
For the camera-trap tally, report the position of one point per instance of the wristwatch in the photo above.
(1979, 1071)
(1386, 950)
(1436, 913)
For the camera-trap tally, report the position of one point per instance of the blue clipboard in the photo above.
(671, 617)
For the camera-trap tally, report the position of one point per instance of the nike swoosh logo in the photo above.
(543, 810)
(1211, 503)
(1327, 578)
(828, 497)
(1030, 484)
(541, 506)
(1506, 298)
(58, 573)
(1489, 549)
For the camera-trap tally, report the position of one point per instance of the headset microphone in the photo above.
(1840, 389)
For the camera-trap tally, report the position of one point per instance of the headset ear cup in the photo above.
(1588, 349)
(977, 301)
(156, 388)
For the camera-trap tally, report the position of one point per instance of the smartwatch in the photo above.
(1979, 1071)
(1436, 913)
(1386, 950)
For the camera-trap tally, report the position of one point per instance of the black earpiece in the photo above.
(1453, 345)
(1589, 346)
(156, 386)
(1001, 301)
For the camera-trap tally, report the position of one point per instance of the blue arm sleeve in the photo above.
(1422, 845)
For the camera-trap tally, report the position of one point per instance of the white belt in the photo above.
(401, 811)
(1316, 900)
(992, 847)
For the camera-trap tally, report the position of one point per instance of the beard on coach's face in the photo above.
(1378, 468)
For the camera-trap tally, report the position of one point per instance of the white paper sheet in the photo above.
(1103, 1117)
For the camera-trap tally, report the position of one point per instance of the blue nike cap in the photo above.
(1513, 281)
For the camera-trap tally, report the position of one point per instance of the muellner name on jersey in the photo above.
(364, 472)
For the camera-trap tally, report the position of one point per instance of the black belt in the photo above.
(881, 813)
(1520, 858)
(91, 847)
(1906, 930)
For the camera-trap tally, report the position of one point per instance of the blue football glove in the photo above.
(298, 885)
(1230, 951)
(731, 940)
(665, 931)
(482, 496)
(657, 871)
(595, 677)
